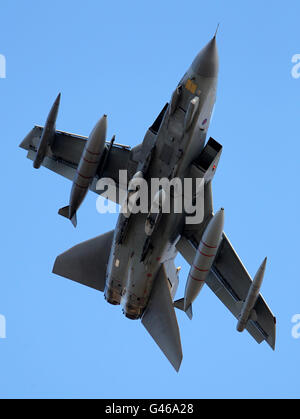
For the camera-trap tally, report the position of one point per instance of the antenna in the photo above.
(217, 30)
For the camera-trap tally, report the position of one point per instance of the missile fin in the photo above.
(180, 305)
(253, 315)
(65, 212)
(74, 220)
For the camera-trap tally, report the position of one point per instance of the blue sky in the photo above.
(124, 58)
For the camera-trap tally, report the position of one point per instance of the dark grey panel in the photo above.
(68, 147)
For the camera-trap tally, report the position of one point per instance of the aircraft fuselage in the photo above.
(134, 263)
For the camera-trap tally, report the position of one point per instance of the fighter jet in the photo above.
(134, 265)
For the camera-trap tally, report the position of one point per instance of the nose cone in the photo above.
(54, 111)
(260, 273)
(213, 233)
(57, 100)
(98, 135)
(206, 64)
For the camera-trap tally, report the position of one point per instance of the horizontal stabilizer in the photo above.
(65, 212)
(86, 263)
(160, 321)
(180, 305)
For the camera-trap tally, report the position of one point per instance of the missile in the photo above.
(86, 170)
(247, 311)
(155, 212)
(203, 262)
(48, 134)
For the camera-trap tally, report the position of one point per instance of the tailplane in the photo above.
(87, 262)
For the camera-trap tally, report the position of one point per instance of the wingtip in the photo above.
(177, 365)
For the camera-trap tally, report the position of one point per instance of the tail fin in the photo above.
(180, 305)
(65, 212)
(86, 263)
